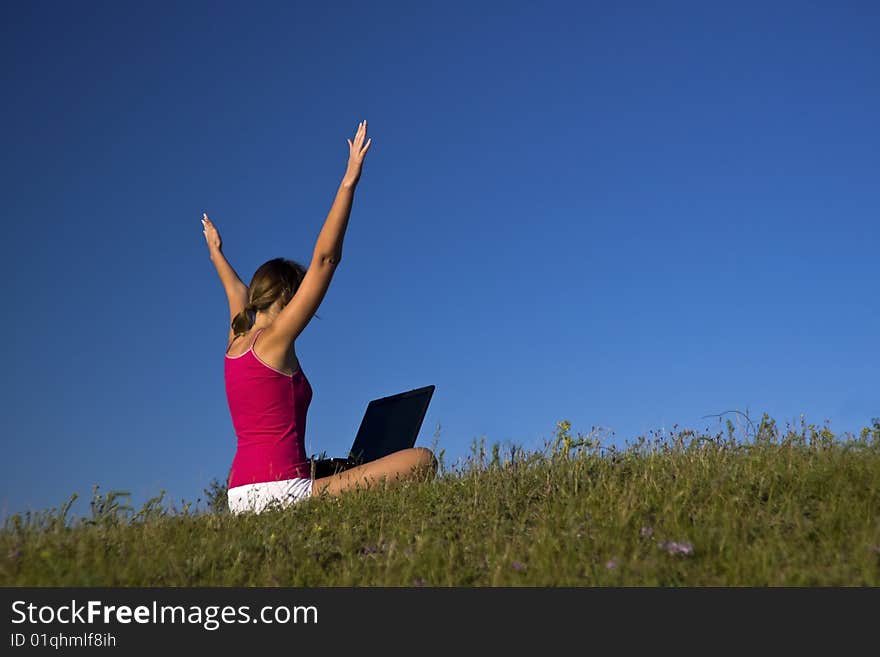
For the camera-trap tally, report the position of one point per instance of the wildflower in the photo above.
(611, 564)
(674, 547)
(646, 532)
(518, 566)
(419, 581)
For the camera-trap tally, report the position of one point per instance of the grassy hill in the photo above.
(793, 507)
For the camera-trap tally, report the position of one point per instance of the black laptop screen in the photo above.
(390, 424)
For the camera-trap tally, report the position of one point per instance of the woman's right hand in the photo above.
(357, 151)
(212, 235)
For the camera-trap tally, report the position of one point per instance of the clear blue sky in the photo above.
(622, 214)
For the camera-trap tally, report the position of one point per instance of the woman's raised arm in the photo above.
(328, 247)
(295, 316)
(236, 291)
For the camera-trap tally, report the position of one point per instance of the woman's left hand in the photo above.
(357, 151)
(212, 236)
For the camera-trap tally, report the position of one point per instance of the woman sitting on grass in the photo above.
(267, 391)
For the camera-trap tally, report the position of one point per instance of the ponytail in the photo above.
(243, 321)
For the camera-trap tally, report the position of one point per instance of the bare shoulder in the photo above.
(238, 345)
(271, 340)
(275, 350)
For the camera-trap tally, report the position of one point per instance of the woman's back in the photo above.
(268, 409)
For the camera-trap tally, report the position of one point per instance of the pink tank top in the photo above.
(268, 409)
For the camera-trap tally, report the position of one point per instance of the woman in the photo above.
(267, 391)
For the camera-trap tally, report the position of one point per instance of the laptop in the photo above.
(389, 424)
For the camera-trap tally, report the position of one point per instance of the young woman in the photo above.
(267, 391)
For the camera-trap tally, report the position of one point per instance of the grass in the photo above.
(799, 507)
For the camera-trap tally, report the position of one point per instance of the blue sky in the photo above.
(621, 214)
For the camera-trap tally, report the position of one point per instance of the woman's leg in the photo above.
(406, 463)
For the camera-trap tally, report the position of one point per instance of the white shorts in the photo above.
(258, 497)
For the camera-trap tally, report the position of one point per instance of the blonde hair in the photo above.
(277, 278)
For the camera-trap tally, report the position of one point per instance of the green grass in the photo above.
(800, 507)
